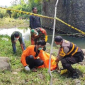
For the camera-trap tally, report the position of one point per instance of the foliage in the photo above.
(2, 13)
(80, 67)
(10, 23)
(35, 3)
(22, 6)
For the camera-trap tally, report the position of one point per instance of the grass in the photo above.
(10, 23)
(18, 76)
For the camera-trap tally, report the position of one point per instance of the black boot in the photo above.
(75, 75)
(69, 74)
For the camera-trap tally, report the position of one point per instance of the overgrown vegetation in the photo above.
(18, 76)
(22, 5)
(11, 22)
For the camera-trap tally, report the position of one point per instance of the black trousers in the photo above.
(68, 60)
(33, 62)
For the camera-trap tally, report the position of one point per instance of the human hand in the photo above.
(13, 41)
(57, 60)
(27, 68)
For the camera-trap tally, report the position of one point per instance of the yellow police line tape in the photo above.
(45, 17)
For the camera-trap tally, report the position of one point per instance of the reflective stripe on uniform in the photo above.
(71, 52)
(62, 53)
(75, 51)
(46, 38)
(71, 49)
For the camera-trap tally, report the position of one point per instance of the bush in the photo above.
(14, 15)
(1, 15)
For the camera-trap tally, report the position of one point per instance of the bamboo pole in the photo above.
(52, 41)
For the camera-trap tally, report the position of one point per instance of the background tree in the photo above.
(2, 13)
(23, 5)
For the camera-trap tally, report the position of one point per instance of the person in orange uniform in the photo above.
(31, 57)
(69, 53)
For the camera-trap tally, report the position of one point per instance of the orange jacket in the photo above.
(42, 55)
(30, 51)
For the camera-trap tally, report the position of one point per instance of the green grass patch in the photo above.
(18, 76)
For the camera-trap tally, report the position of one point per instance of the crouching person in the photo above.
(17, 36)
(30, 57)
(69, 54)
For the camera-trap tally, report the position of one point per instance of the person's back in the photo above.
(41, 33)
(34, 20)
(38, 34)
(16, 34)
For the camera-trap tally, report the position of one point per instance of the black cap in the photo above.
(58, 39)
(41, 42)
(34, 8)
(16, 34)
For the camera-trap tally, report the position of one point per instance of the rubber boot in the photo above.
(75, 75)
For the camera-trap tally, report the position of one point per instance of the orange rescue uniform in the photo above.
(42, 55)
